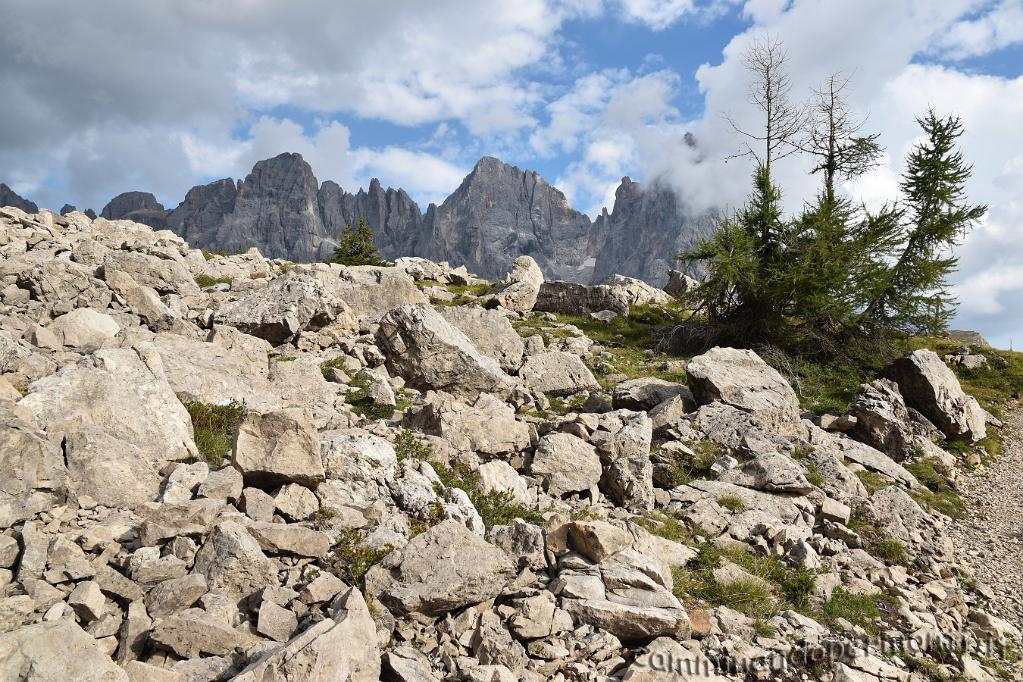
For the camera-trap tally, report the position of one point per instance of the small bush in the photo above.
(334, 363)
(214, 428)
(205, 281)
(407, 446)
(351, 558)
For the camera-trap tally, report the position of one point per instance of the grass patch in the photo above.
(667, 526)
(862, 610)
(681, 468)
(873, 481)
(364, 406)
(779, 587)
(877, 545)
(495, 508)
(732, 503)
(938, 492)
(813, 474)
(463, 293)
(205, 281)
(562, 407)
(214, 428)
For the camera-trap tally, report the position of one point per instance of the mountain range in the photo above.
(498, 213)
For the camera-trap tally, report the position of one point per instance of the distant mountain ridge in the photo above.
(498, 213)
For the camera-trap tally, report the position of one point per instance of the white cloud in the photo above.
(998, 28)
(658, 14)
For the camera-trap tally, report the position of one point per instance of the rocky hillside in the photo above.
(498, 213)
(238, 468)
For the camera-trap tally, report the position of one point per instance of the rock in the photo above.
(342, 647)
(488, 426)
(430, 353)
(623, 441)
(579, 299)
(648, 392)
(143, 301)
(565, 464)
(88, 601)
(280, 538)
(636, 291)
(882, 419)
(928, 385)
(143, 672)
(231, 561)
(138, 207)
(223, 484)
(8, 197)
(500, 477)
(122, 392)
(741, 379)
(196, 632)
(431, 575)
(370, 292)
(557, 373)
(629, 623)
(288, 305)
(296, 502)
(680, 285)
(276, 622)
(770, 473)
(597, 540)
(323, 588)
(84, 329)
(278, 447)
(54, 652)
(175, 595)
(489, 331)
(32, 470)
(520, 287)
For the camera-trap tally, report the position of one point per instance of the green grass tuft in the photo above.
(214, 427)
(205, 281)
(732, 503)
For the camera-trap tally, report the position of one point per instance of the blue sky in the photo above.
(165, 94)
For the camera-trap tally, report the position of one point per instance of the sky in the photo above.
(116, 95)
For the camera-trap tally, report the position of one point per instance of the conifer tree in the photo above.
(356, 246)
(914, 296)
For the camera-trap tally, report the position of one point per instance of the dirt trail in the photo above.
(990, 539)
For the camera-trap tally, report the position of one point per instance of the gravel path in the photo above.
(990, 539)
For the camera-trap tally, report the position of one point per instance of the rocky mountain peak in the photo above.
(140, 207)
(8, 197)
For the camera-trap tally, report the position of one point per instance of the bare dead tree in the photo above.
(770, 91)
(831, 137)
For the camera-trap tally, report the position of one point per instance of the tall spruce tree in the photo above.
(915, 296)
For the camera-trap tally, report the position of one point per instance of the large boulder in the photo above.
(579, 299)
(233, 563)
(623, 439)
(487, 427)
(882, 419)
(371, 291)
(55, 651)
(490, 331)
(32, 474)
(430, 353)
(565, 464)
(441, 570)
(928, 385)
(84, 329)
(220, 370)
(557, 373)
(165, 275)
(278, 447)
(646, 393)
(286, 306)
(740, 378)
(771, 473)
(122, 392)
(636, 291)
(520, 287)
(340, 648)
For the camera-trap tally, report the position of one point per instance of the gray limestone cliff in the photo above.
(8, 197)
(140, 207)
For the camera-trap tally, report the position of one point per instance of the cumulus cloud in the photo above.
(165, 84)
(999, 28)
